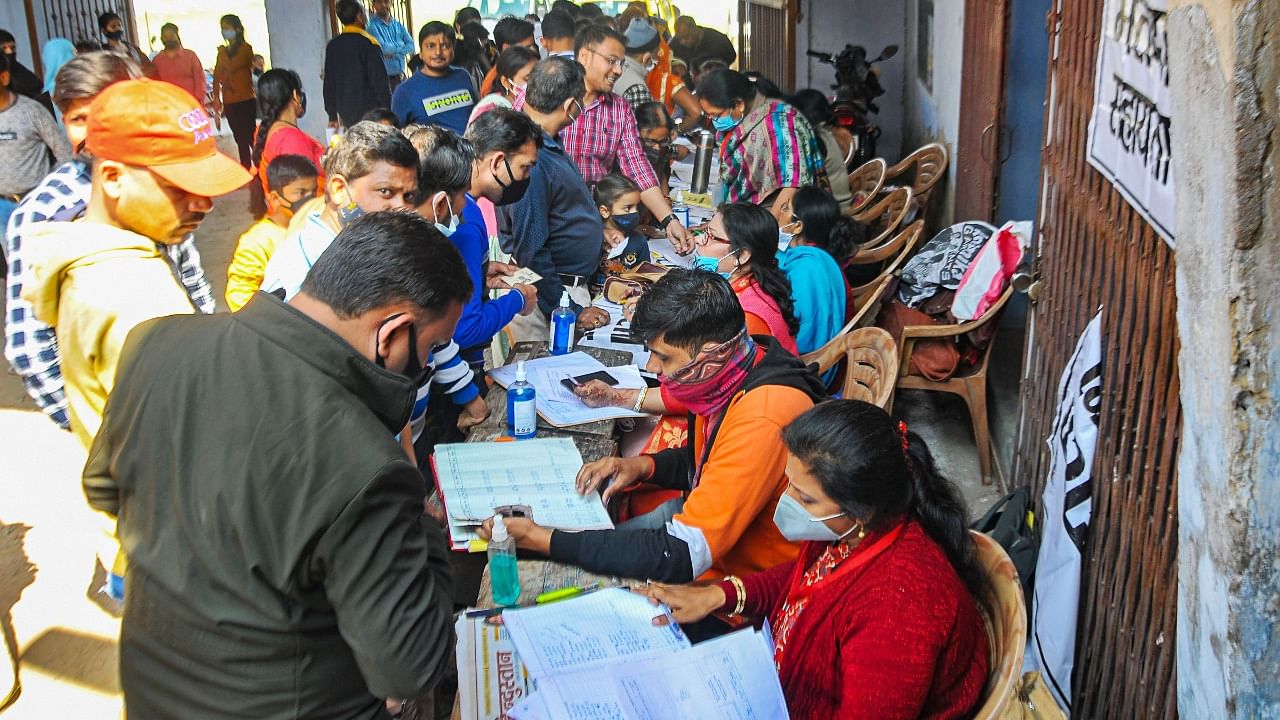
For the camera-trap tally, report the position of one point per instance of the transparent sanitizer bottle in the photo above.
(522, 417)
(562, 326)
(504, 577)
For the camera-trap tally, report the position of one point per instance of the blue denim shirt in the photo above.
(395, 41)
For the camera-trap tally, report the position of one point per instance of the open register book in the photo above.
(475, 478)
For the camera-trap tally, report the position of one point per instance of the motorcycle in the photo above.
(857, 86)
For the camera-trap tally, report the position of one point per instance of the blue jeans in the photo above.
(7, 207)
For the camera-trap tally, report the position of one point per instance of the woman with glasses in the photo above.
(766, 145)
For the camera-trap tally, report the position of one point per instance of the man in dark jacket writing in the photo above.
(280, 562)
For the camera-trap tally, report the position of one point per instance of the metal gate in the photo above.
(74, 20)
(1096, 250)
(767, 39)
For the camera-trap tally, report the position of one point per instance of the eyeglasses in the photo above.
(614, 61)
(658, 145)
(706, 236)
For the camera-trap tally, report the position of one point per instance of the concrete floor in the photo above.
(67, 644)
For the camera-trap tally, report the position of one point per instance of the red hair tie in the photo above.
(902, 431)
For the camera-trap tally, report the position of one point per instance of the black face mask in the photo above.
(414, 369)
(114, 34)
(293, 206)
(170, 44)
(514, 190)
(660, 160)
(302, 103)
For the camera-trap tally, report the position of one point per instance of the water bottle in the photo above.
(702, 163)
(679, 209)
(504, 575)
(563, 322)
(522, 418)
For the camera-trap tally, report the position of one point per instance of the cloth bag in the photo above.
(986, 277)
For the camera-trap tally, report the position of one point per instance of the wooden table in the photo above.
(595, 440)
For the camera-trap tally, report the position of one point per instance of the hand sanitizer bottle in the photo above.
(522, 418)
(562, 326)
(504, 576)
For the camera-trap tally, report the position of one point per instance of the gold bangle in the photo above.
(640, 399)
(741, 590)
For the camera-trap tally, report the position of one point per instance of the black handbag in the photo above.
(1007, 523)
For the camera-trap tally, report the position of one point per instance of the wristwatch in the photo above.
(666, 221)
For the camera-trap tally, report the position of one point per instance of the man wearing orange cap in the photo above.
(155, 169)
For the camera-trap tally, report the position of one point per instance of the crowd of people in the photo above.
(267, 472)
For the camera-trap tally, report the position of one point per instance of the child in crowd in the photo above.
(383, 116)
(618, 199)
(291, 182)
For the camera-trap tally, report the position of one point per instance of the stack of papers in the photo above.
(555, 403)
(599, 657)
(491, 678)
(475, 478)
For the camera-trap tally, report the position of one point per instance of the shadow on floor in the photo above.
(16, 573)
(86, 660)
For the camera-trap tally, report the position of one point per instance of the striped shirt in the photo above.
(603, 134)
(773, 147)
(31, 346)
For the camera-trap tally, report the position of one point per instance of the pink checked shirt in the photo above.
(606, 131)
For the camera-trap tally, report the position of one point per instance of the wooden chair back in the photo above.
(1006, 622)
(886, 216)
(871, 366)
(865, 184)
(899, 249)
(929, 164)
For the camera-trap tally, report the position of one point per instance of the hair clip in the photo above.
(902, 431)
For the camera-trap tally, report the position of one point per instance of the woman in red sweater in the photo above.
(876, 618)
(283, 102)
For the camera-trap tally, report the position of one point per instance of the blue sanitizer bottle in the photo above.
(504, 577)
(562, 326)
(522, 418)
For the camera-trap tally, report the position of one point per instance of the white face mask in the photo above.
(452, 227)
(784, 237)
(649, 66)
(796, 524)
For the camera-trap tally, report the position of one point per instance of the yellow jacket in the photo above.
(94, 283)
(249, 264)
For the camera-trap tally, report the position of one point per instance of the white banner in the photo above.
(1129, 141)
(1067, 510)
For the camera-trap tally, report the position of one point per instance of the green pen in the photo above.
(562, 594)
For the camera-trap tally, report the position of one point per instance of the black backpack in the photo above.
(1006, 523)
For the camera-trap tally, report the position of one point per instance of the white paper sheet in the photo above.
(664, 253)
(475, 478)
(556, 403)
(586, 695)
(588, 632)
(523, 275)
(491, 678)
(730, 677)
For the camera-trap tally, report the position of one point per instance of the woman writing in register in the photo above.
(876, 618)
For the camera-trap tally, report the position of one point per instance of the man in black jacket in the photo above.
(280, 564)
(695, 44)
(355, 78)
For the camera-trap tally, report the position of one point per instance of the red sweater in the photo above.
(899, 638)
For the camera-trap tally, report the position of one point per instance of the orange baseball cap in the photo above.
(159, 126)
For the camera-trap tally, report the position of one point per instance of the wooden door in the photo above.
(1095, 250)
(981, 100)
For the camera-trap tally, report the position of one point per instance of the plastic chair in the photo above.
(970, 384)
(1006, 627)
(899, 249)
(887, 215)
(929, 164)
(871, 361)
(865, 184)
(832, 351)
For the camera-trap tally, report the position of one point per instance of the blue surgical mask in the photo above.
(785, 238)
(229, 35)
(626, 221)
(711, 264)
(452, 227)
(796, 524)
(725, 122)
